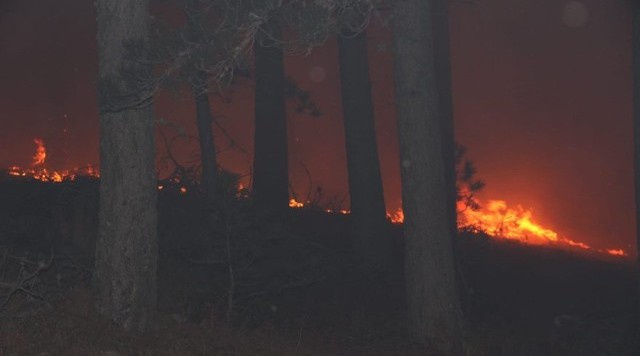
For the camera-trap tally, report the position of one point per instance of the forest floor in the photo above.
(298, 293)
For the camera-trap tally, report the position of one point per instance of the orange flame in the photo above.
(295, 204)
(497, 220)
(616, 252)
(396, 217)
(39, 172)
(41, 153)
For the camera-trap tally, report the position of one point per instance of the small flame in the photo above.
(396, 217)
(39, 172)
(41, 153)
(295, 204)
(616, 252)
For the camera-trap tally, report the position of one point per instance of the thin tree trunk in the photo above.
(204, 119)
(126, 251)
(270, 165)
(368, 214)
(434, 313)
(199, 82)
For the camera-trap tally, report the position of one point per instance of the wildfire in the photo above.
(39, 171)
(500, 221)
(496, 218)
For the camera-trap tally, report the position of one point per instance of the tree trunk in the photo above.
(636, 114)
(198, 80)
(368, 214)
(433, 306)
(442, 52)
(126, 249)
(204, 119)
(443, 78)
(270, 166)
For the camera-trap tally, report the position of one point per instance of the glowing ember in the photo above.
(616, 252)
(295, 204)
(396, 217)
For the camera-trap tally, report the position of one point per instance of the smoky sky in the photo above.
(541, 90)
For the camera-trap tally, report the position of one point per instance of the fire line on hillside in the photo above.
(495, 218)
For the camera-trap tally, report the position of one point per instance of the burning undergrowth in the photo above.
(229, 254)
(232, 267)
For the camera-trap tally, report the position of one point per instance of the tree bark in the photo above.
(208, 158)
(443, 78)
(434, 312)
(198, 80)
(126, 249)
(636, 115)
(270, 165)
(368, 214)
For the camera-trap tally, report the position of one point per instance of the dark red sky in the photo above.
(542, 96)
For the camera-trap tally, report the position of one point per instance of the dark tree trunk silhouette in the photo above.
(636, 114)
(368, 214)
(270, 166)
(434, 312)
(204, 119)
(126, 251)
(443, 78)
(199, 83)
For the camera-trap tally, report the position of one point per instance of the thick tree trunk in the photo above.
(636, 115)
(204, 119)
(126, 251)
(434, 312)
(368, 214)
(270, 165)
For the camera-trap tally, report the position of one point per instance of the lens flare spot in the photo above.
(575, 14)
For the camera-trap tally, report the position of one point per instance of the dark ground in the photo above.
(296, 291)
